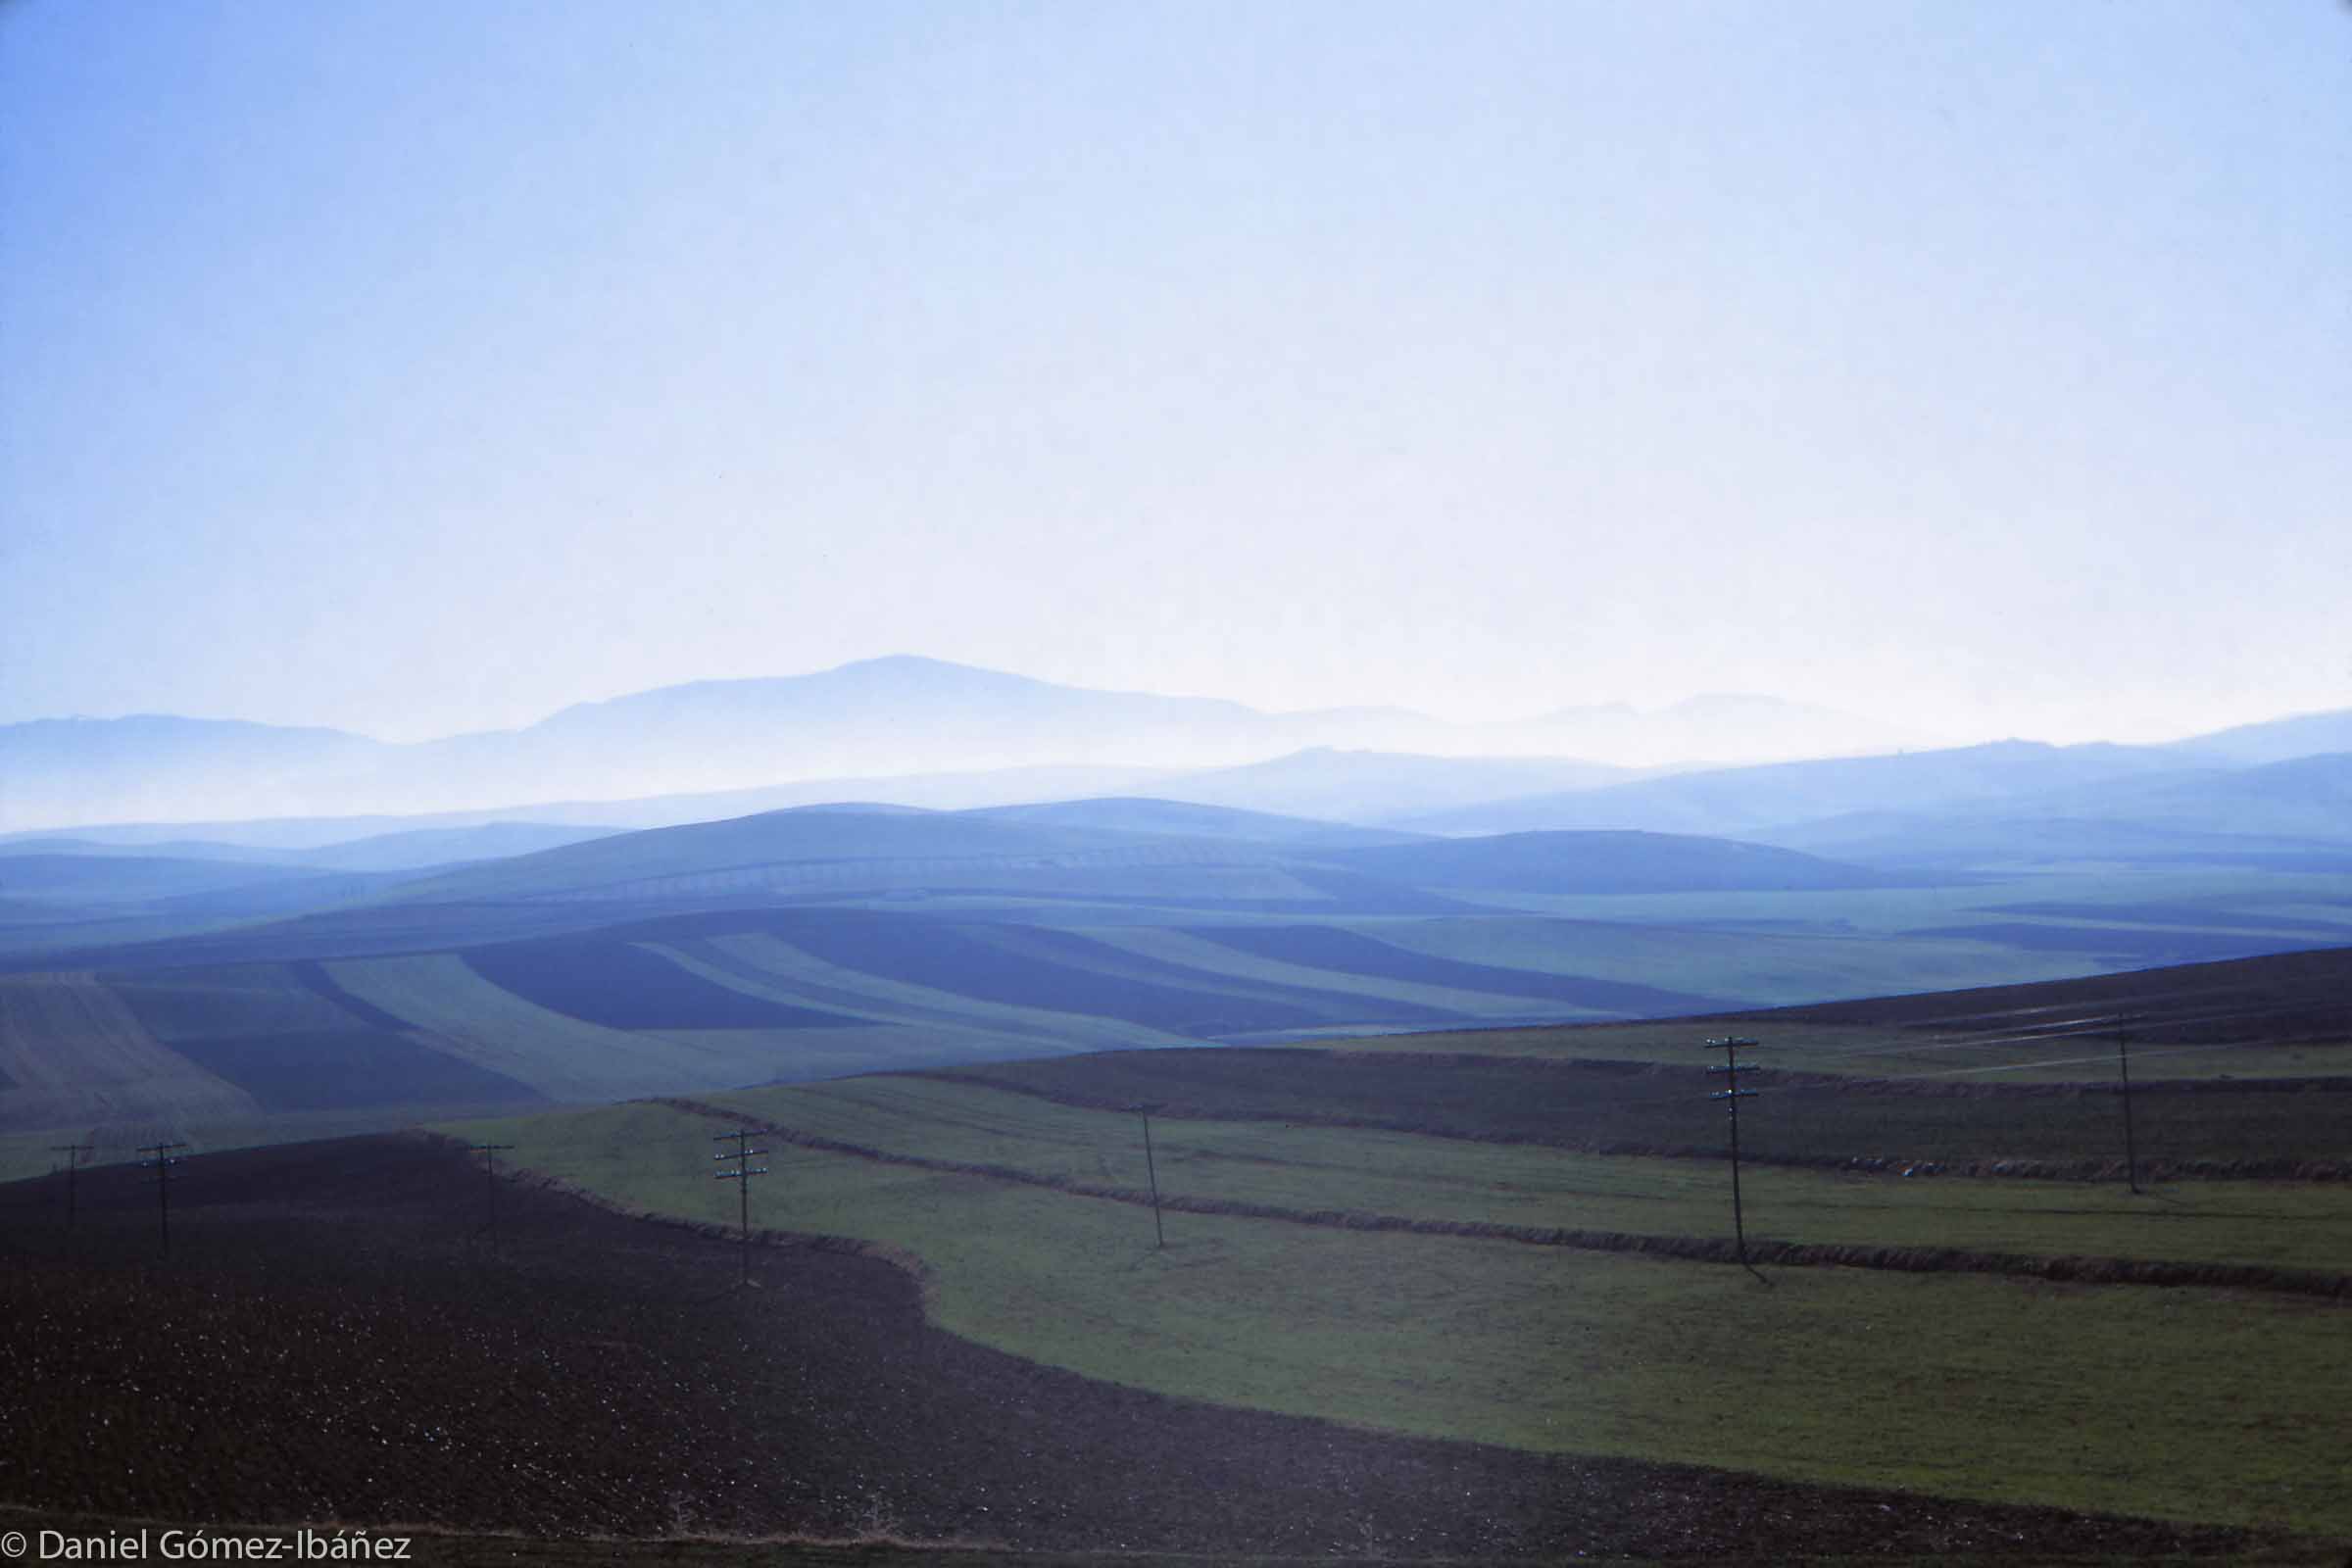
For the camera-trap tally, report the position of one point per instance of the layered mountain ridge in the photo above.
(894, 717)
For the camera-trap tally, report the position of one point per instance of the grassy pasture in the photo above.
(1320, 1169)
(1643, 1108)
(1966, 1386)
(1879, 1050)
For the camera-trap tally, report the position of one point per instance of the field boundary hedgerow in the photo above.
(1685, 1249)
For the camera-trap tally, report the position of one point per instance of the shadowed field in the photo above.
(336, 1336)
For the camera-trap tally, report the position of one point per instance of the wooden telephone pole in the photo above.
(742, 1155)
(1730, 1095)
(1151, 1169)
(72, 1153)
(161, 1165)
(490, 1154)
(2123, 1066)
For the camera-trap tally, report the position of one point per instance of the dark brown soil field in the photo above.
(334, 1338)
(2278, 998)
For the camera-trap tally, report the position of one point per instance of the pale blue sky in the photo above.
(414, 367)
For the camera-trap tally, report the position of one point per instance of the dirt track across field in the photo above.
(335, 1338)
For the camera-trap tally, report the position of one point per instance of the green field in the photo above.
(1318, 1171)
(1876, 1051)
(2201, 1127)
(1979, 1386)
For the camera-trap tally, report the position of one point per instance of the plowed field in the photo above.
(336, 1336)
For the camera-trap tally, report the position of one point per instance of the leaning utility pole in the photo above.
(1731, 1094)
(743, 1155)
(1151, 1169)
(161, 1165)
(72, 1153)
(490, 1154)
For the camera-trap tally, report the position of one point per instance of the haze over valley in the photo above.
(1045, 891)
(910, 784)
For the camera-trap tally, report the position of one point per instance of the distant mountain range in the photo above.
(880, 718)
(911, 732)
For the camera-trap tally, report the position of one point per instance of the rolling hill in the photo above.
(229, 1000)
(1608, 863)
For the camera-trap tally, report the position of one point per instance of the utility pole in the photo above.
(1730, 1095)
(72, 1153)
(1151, 1169)
(2122, 1063)
(161, 1165)
(490, 1154)
(743, 1154)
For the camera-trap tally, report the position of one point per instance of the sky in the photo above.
(413, 367)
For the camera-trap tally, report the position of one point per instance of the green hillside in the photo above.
(1428, 1243)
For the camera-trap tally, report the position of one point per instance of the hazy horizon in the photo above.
(423, 369)
(1643, 710)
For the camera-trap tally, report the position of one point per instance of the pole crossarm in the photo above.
(742, 1155)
